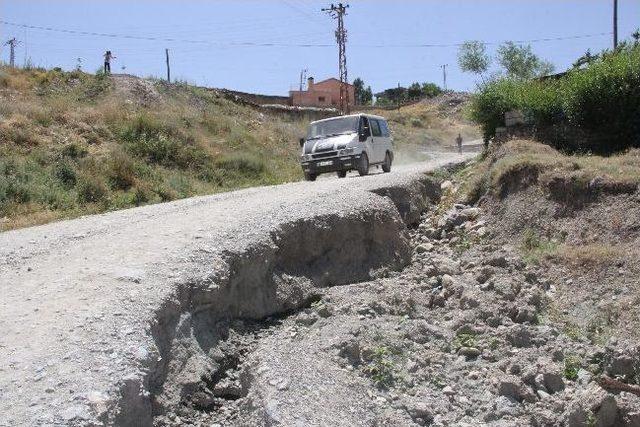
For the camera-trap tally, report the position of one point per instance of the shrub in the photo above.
(381, 368)
(66, 173)
(604, 98)
(572, 365)
(591, 109)
(13, 183)
(245, 165)
(74, 151)
(92, 190)
(142, 195)
(148, 138)
(19, 130)
(121, 171)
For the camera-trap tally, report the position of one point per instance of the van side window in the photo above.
(384, 128)
(375, 127)
(364, 127)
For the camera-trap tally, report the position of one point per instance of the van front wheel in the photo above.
(310, 176)
(386, 166)
(341, 174)
(363, 165)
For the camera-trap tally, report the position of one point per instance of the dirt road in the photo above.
(99, 313)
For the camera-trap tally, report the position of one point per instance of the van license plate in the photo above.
(326, 163)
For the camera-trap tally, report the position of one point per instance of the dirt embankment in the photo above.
(477, 329)
(577, 217)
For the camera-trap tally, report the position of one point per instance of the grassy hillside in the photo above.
(430, 125)
(73, 143)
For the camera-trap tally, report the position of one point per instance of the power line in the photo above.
(311, 18)
(310, 45)
(161, 39)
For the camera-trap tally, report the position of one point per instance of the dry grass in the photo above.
(592, 255)
(522, 163)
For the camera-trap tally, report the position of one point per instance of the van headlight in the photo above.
(346, 152)
(306, 157)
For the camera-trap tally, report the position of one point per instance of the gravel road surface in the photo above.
(91, 308)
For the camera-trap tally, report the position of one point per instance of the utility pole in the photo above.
(338, 12)
(615, 24)
(12, 54)
(444, 75)
(166, 51)
(303, 77)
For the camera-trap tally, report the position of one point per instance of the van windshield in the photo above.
(337, 126)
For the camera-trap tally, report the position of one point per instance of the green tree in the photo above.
(429, 90)
(520, 62)
(367, 96)
(473, 57)
(585, 59)
(358, 85)
(414, 91)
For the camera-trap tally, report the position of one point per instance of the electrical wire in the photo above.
(275, 44)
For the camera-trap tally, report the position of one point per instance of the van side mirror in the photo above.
(362, 136)
(301, 142)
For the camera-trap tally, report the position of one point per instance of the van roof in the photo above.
(352, 115)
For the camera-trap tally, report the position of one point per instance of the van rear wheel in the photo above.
(310, 176)
(386, 166)
(341, 174)
(363, 165)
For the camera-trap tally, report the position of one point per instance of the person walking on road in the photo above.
(108, 56)
(459, 142)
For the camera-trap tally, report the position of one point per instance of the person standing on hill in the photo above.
(108, 56)
(459, 142)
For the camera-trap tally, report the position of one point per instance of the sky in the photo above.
(261, 46)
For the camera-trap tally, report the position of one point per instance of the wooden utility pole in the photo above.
(444, 75)
(615, 24)
(166, 51)
(337, 13)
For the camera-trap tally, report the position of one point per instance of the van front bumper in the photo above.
(334, 164)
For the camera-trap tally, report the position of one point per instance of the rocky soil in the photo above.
(460, 337)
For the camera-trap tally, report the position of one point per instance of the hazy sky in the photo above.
(382, 43)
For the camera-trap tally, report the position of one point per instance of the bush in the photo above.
(148, 138)
(13, 184)
(604, 98)
(121, 171)
(540, 101)
(74, 151)
(66, 173)
(594, 109)
(92, 190)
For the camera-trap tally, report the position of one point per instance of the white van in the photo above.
(345, 143)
